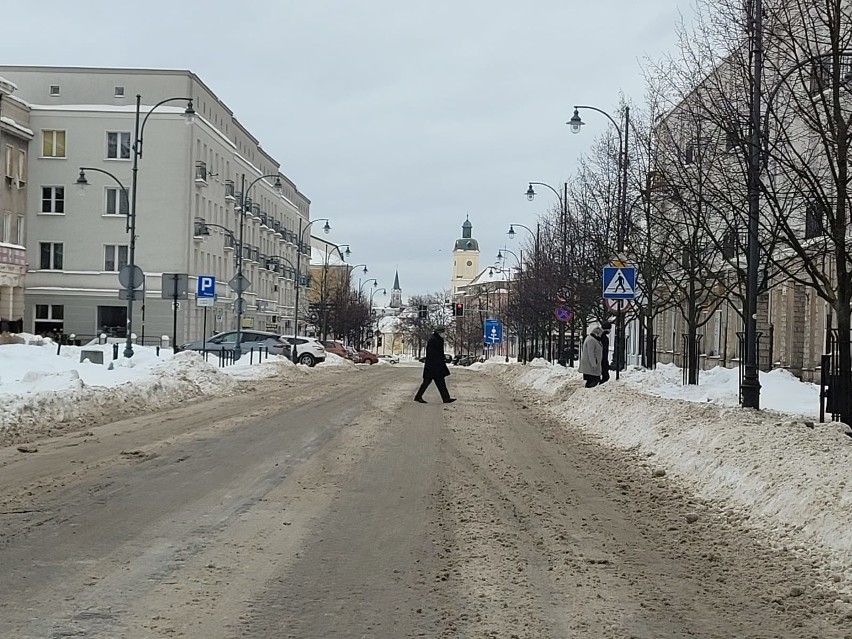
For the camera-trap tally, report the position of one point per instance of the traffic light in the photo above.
(458, 309)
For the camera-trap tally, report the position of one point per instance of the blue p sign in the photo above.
(206, 286)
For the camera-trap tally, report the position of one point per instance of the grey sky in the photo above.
(397, 119)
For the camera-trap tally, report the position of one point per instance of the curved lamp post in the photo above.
(563, 218)
(576, 124)
(361, 285)
(302, 228)
(239, 305)
(139, 130)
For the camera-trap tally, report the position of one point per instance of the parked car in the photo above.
(309, 351)
(390, 359)
(227, 341)
(336, 347)
(367, 357)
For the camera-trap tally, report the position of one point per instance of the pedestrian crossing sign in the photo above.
(619, 283)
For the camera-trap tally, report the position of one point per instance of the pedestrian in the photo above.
(435, 368)
(605, 327)
(591, 355)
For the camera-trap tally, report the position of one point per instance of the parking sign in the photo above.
(206, 286)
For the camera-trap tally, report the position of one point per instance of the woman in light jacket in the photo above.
(591, 356)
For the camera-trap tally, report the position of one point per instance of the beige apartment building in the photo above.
(76, 246)
(15, 136)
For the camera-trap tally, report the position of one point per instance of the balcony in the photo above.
(246, 253)
(264, 220)
(248, 205)
(230, 194)
(230, 243)
(13, 257)
(200, 173)
(255, 254)
(199, 229)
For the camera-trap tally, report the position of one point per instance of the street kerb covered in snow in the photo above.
(781, 473)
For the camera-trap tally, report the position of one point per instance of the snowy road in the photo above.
(337, 507)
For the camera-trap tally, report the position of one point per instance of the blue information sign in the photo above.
(619, 283)
(206, 286)
(493, 332)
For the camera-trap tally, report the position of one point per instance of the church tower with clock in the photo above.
(465, 259)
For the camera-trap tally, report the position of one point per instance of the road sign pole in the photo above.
(175, 277)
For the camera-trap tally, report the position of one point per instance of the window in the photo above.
(689, 154)
(50, 254)
(116, 202)
(54, 89)
(115, 256)
(16, 166)
(49, 318)
(50, 312)
(119, 92)
(814, 220)
(7, 227)
(53, 144)
(118, 145)
(53, 199)
(20, 235)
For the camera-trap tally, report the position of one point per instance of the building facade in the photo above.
(15, 136)
(187, 175)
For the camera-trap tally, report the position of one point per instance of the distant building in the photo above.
(465, 259)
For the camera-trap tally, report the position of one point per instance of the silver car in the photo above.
(248, 339)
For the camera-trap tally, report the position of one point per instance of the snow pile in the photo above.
(789, 474)
(274, 366)
(335, 360)
(782, 391)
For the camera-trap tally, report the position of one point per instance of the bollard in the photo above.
(158, 351)
(58, 345)
(115, 351)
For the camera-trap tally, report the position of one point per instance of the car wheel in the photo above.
(306, 359)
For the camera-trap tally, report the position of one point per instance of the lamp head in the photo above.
(82, 183)
(327, 228)
(499, 255)
(531, 193)
(189, 113)
(511, 232)
(277, 185)
(576, 123)
(365, 269)
(347, 252)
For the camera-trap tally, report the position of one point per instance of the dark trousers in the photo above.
(591, 380)
(440, 382)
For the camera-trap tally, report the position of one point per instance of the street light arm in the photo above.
(602, 112)
(558, 194)
(82, 177)
(258, 179)
(189, 111)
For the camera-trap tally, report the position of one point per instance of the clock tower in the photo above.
(465, 258)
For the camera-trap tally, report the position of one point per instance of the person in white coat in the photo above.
(591, 357)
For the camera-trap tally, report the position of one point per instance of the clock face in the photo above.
(469, 263)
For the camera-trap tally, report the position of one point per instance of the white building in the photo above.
(187, 174)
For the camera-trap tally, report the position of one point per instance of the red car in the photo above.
(367, 357)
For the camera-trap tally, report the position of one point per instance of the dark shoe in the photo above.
(450, 401)
(420, 400)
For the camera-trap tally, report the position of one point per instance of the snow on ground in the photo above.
(332, 360)
(788, 475)
(39, 387)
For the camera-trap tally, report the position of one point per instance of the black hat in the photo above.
(606, 325)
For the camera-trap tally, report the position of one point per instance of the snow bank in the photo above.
(789, 474)
(335, 360)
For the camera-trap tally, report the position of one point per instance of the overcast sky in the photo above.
(397, 119)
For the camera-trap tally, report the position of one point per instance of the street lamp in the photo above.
(352, 268)
(302, 228)
(361, 285)
(563, 219)
(139, 130)
(241, 284)
(623, 138)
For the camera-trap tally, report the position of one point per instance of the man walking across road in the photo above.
(435, 368)
(591, 356)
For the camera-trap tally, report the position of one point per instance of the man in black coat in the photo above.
(435, 368)
(606, 327)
